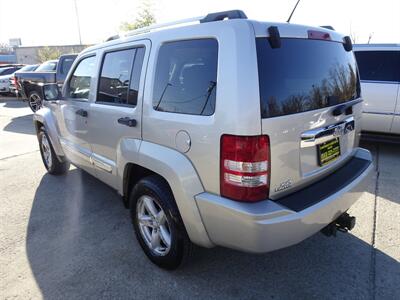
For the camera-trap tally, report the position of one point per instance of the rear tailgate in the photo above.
(301, 83)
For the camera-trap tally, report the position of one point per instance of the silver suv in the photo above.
(215, 131)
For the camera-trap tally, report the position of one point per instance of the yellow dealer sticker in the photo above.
(328, 151)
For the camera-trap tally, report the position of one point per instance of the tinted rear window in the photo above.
(304, 75)
(379, 65)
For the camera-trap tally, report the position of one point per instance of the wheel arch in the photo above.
(176, 169)
(44, 118)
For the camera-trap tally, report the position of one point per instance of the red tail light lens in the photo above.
(318, 35)
(245, 167)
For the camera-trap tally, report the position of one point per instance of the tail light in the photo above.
(318, 35)
(245, 167)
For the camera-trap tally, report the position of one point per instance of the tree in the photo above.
(47, 53)
(145, 18)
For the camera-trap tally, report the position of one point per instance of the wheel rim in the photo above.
(35, 102)
(153, 225)
(46, 151)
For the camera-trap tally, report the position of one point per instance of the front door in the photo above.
(115, 116)
(73, 114)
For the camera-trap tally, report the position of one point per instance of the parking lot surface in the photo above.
(69, 237)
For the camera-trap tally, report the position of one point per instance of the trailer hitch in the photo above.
(343, 223)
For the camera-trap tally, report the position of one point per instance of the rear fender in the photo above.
(180, 174)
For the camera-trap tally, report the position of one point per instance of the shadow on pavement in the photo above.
(388, 164)
(80, 244)
(23, 124)
(13, 102)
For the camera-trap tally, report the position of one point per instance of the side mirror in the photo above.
(51, 92)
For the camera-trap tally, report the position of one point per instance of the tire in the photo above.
(49, 158)
(34, 101)
(180, 248)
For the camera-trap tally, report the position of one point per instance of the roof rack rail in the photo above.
(212, 17)
(327, 27)
(221, 15)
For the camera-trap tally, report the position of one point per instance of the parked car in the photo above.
(54, 71)
(379, 66)
(233, 133)
(7, 82)
(5, 72)
(9, 70)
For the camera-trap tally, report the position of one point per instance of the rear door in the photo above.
(301, 83)
(115, 116)
(396, 118)
(379, 72)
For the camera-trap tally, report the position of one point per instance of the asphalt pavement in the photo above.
(69, 237)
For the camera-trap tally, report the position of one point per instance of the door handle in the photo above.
(82, 113)
(127, 121)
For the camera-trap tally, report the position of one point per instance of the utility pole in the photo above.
(77, 21)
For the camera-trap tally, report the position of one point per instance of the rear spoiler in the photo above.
(275, 38)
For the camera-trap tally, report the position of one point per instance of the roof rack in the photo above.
(212, 17)
(327, 27)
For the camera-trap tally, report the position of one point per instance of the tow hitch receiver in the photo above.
(344, 223)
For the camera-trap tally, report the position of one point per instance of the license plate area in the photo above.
(328, 151)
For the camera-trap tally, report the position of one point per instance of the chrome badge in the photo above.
(284, 185)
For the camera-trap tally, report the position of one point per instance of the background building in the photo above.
(29, 55)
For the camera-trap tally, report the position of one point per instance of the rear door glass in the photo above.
(304, 75)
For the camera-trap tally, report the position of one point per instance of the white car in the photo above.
(5, 73)
(379, 67)
(5, 79)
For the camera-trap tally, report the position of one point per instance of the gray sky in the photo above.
(53, 22)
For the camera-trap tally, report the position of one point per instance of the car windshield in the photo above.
(47, 66)
(304, 75)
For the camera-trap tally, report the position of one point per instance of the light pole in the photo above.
(77, 21)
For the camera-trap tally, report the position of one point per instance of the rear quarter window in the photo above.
(379, 65)
(186, 77)
(304, 75)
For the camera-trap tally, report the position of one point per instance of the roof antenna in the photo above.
(288, 20)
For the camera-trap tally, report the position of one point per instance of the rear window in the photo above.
(186, 77)
(47, 66)
(66, 64)
(304, 75)
(379, 65)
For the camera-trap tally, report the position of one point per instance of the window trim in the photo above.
(129, 47)
(75, 66)
(157, 55)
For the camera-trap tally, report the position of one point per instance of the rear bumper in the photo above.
(269, 225)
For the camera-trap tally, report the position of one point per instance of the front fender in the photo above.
(45, 117)
(180, 175)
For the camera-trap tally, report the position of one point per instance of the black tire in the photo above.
(181, 247)
(54, 166)
(34, 101)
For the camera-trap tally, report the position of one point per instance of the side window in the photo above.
(79, 84)
(135, 78)
(186, 77)
(379, 65)
(120, 75)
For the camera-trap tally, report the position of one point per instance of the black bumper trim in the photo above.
(325, 187)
